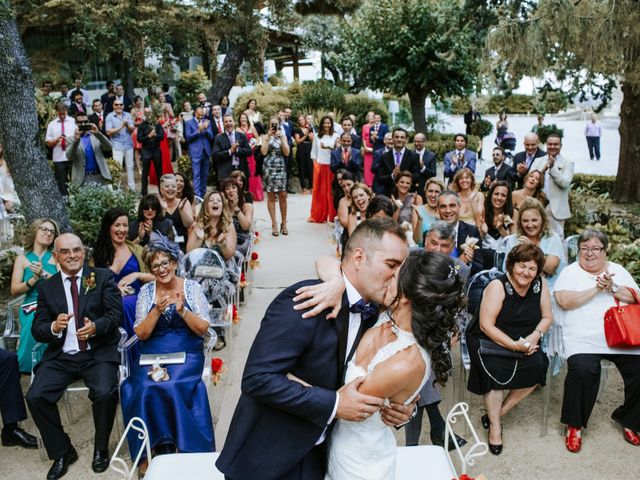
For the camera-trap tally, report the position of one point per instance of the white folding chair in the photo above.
(118, 463)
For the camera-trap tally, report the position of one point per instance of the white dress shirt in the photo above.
(70, 340)
(54, 131)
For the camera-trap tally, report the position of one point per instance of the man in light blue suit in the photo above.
(459, 158)
(199, 137)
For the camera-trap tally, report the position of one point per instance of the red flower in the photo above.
(257, 234)
(216, 365)
(464, 476)
(242, 278)
(254, 256)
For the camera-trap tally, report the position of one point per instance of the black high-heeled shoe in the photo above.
(283, 229)
(485, 421)
(493, 448)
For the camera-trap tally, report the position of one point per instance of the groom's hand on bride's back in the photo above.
(355, 406)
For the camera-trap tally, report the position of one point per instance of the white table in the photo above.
(423, 462)
(194, 466)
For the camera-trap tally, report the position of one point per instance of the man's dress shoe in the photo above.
(18, 437)
(100, 461)
(61, 465)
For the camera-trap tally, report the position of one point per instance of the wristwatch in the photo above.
(614, 288)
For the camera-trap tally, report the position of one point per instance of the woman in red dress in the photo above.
(168, 122)
(255, 180)
(368, 149)
(322, 208)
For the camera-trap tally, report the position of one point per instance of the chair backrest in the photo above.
(473, 449)
(476, 286)
(117, 463)
(572, 248)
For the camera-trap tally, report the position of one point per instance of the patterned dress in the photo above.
(274, 168)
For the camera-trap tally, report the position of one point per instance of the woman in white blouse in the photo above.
(321, 199)
(585, 290)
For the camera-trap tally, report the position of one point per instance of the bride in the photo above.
(395, 357)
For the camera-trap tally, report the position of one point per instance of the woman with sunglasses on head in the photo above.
(150, 219)
(171, 316)
(179, 211)
(35, 264)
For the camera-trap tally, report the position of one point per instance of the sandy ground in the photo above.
(285, 260)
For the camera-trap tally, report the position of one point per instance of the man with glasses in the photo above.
(119, 126)
(79, 312)
(121, 96)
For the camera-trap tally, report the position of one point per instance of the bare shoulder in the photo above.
(405, 364)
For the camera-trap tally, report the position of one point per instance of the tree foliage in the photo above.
(413, 47)
(592, 43)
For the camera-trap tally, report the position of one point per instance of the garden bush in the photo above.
(544, 131)
(270, 100)
(322, 95)
(360, 105)
(190, 83)
(481, 128)
(552, 102)
(599, 184)
(87, 204)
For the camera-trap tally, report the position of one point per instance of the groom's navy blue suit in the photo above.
(277, 422)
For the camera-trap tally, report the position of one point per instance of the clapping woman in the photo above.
(150, 219)
(172, 315)
(179, 211)
(214, 228)
(35, 264)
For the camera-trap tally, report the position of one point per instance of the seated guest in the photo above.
(172, 315)
(184, 189)
(79, 312)
(428, 212)
(338, 191)
(35, 264)
(380, 206)
(179, 211)
(533, 227)
(471, 200)
(584, 291)
(514, 314)
(406, 202)
(214, 228)
(124, 258)
(522, 161)
(12, 404)
(533, 187)
(499, 172)
(441, 237)
(360, 196)
(241, 214)
(150, 219)
(346, 156)
(459, 158)
(88, 164)
(243, 185)
(498, 211)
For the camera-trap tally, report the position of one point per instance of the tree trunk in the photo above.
(226, 77)
(417, 98)
(627, 186)
(19, 132)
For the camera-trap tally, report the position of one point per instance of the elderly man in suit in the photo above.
(428, 167)
(199, 137)
(230, 150)
(78, 315)
(398, 159)
(499, 171)
(522, 161)
(378, 131)
(280, 427)
(459, 158)
(88, 164)
(346, 156)
(558, 175)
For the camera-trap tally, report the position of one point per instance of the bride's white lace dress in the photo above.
(367, 450)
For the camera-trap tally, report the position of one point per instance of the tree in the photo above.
(590, 42)
(19, 137)
(326, 34)
(424, 49)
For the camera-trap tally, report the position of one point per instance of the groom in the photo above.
(279, 428)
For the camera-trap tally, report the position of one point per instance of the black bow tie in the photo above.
(366, 310)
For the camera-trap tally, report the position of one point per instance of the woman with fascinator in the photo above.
(171, 316)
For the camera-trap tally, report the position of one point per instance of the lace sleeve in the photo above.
(197, 299)
(145, 301)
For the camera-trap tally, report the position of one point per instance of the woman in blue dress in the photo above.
(171, 316)
(112, 250)
(35, 264)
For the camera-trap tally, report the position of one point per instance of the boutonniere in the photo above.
(89, 283)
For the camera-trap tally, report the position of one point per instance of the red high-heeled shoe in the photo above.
(573, 439)
(631, 437)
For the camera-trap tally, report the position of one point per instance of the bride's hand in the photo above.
(293, 378)
(321, 297)
(396, 414)
(355, 406)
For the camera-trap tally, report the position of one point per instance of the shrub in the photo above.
(628, 256)
(276, 80)
(87, 204)
(322, 95)
(190, 83)
(552, 102)
(270, 100)
(544, 131)
(359, 105)
(460, 105)
(7, 259)
(481, 128)
(599, 184)
(116, 170)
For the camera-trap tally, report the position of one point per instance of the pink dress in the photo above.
(255, 180)
(368, 157)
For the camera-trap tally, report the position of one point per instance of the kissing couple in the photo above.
(320, 394)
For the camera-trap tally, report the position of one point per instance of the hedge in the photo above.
(548, 102)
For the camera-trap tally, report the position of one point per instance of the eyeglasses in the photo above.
(148, 207)
(118, 104)
(163, 264)
(596, 250)
(65, 252)
(46, 230)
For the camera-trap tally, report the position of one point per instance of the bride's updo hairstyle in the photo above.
(430, 281)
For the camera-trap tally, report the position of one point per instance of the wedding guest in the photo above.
(504, 338)
(428, 212)
(275, 149)
(368, 149)
(179, 211)
(150, 134)
(150, 218)
(241, 214)
(533, 186)
(304, 136)
(12, 409)
(346, 181)
(172, 315)
(321, 199)
(214, 228)
(498, 212)
(360, 196)
(35, 264)
(471, 200)
(584, 291)
(255, 180)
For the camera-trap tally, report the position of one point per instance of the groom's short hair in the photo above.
(369, 234)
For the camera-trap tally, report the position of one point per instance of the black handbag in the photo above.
(492, 349)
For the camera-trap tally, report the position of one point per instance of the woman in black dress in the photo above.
(303, 136)
(179, 211)
(505, 335)
(150, 219)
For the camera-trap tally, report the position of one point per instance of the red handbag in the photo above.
(622, 324)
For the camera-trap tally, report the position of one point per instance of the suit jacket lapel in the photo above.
(342, 326)
(58, 293)
(82, 301)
